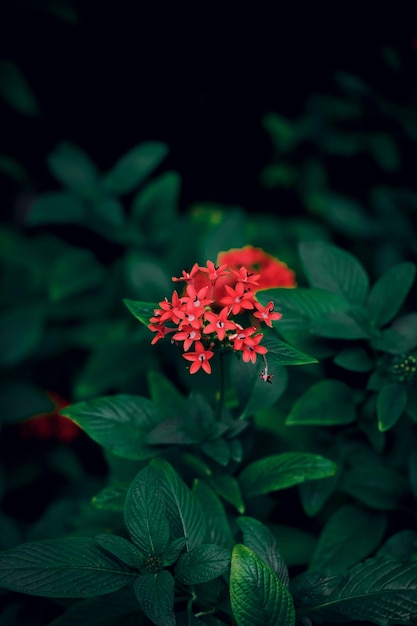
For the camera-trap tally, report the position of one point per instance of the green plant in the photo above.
(233, 501)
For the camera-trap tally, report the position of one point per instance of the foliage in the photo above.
(219, 498)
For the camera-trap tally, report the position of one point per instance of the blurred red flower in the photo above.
(51, 425)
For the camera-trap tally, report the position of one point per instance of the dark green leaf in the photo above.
(143, 311)
(55, 208)
(350, 535)
(400, 337)
(73, 272)
(389, 293)
(111, 212)
(218, 528)
(20, 400)
(257, 595)
(174, 431)
(326, 403)
(378, 487)
(113, 609)
(202, 563)
(402, 546)
(260, 539)
(185, 516)
(111, 498)
(122, 549)
(315, 493)
(164, 394)
(308, 302)
(253, 393)
(15, 89)
(119, 423)
(134, 167)
(390, 404)
(74, 169)
(173, 551)
(20, 334)
(155, 206)
(283, 470)
(281, 353)
(412, 470)
(217, 449)
(228, 488)
(382, 591)
(62, 568)
(145, 513)
(329, 267)
(354, 360)
(155, 593)
(352, 324)
(296, 545)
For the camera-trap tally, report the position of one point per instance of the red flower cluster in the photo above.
(200, 321)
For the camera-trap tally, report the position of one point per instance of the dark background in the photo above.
(110, 75)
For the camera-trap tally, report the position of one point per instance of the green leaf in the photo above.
(252, 392)
(155, 593)
(382, 591)
(113, 609)
(134, 167)
(218, 528)
(400, 337)
(281, 353)
(412, 471)
(350, 534)
(145, 513)
(111, 212)
(62, 568)
(202, 563)
(329, 267)
(15, 89)
(260, 539)
(111, 498)
(378, 487)
(228, 488)
(185, 516)
(20, 400)
(119, 423)
(402, 546)
(389, 293)
(296, 545)
(280, 471)
(257, 595)
(73, 272)
(218, 450)
(354, 359)
(309, 302)
(390, 404)
(155, 207)
(173, 551)
(164, 394)
(146, 275)
(143, 311)
(55, 207)
(326, 403)
(20, 334)
(315, 493)
(74, 169)
(122, 549)
(352, 324)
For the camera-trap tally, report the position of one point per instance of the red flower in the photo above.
(251, 348)
(265, 313)
(219, 323)
(187, 277)
(200, 358)
(238, 298)
(188, 335)
(272, 272)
